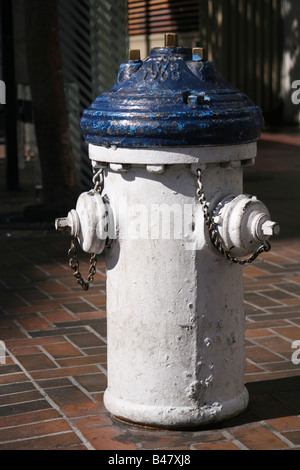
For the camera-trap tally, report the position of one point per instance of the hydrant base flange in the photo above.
(175, 155)
(185, 417)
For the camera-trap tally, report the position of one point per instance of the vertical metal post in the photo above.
(203, 22)
(147, 26)
(10, 108)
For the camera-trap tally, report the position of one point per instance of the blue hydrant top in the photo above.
(171, 98)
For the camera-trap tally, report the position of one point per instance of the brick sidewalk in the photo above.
(52, 384)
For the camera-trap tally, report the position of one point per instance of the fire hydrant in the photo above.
(168, 144)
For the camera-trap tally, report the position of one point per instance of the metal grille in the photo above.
(94, 41)
(155, 16)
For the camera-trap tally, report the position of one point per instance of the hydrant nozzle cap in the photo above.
(174, 97)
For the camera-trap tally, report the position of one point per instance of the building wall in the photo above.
(94, 41)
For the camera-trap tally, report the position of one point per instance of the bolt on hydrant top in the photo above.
(174, 97)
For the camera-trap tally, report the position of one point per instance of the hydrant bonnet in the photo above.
(171, 98)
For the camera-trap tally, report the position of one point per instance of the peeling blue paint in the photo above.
(171, 99)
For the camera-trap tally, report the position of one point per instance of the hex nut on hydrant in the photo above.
(270, 228)
(170, 141)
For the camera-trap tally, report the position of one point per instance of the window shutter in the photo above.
(156, 16)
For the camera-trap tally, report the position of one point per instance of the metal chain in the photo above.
(214, 234)
(98, 181)
(74, 264)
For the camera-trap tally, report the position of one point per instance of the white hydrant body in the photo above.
(175, 304)
(175, 314)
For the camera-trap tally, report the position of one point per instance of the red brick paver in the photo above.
(51, 387)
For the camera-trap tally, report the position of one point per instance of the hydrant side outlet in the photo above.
(168, 144)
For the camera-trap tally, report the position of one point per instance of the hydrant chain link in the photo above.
(98, 181)
(74, 264)
(213, 232)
